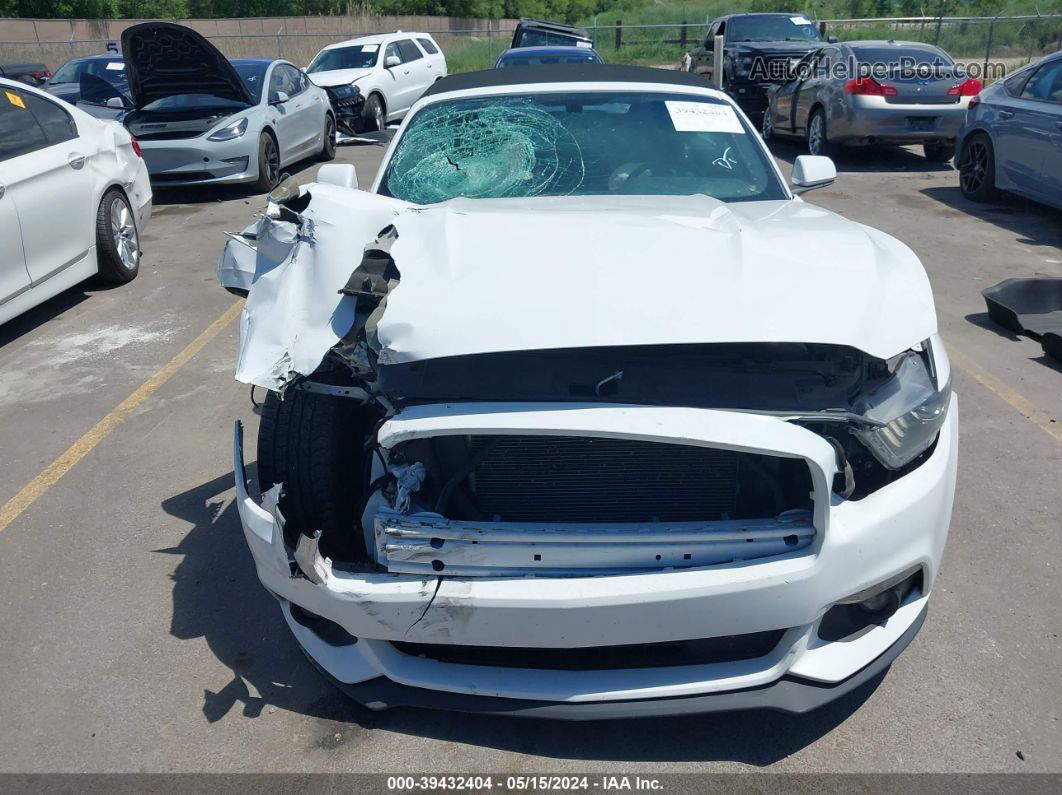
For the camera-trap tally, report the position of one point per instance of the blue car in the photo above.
(1012, 137)
(65, 84)
(534, 56)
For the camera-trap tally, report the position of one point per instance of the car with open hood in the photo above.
(391, 70)
(579, 410)
(202, 119)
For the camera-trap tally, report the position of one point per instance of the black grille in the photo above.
(168, 135)
(604, 658)
(583, 479)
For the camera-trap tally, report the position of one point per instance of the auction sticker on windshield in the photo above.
(703, 117)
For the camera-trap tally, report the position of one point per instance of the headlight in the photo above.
(908, 410)
(744, 64)
(234, 130)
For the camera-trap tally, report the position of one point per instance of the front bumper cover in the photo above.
(788, 694)
(858, 544)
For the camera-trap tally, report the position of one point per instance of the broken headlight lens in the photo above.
(909, 408)
(234, 130)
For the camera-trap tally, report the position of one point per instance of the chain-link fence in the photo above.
(1010, 41)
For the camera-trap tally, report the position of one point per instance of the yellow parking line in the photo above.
(33, 490)
(1015, 400)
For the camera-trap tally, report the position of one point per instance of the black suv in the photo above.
(758, 52)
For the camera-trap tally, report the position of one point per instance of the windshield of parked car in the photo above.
(517, 59)
(780, 27)
(579, 144)
(356, 56)
(252, 73)
(533, 37)
(113, 71)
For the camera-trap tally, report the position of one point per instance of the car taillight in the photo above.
(971, 88)
(868, 87)
(136, 145)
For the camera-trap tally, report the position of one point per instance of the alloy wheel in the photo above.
(123, 232)
(974, 168)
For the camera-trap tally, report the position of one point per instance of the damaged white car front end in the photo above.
(596, 455)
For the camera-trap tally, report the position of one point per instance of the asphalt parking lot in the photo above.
(136, 636)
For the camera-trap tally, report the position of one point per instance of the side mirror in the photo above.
(342, 174)
(115, 103)
(279, 98)
(811, 171)
(391, 61)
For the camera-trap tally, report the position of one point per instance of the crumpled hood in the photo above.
(488, 276)
(507, 275)
(338, 77)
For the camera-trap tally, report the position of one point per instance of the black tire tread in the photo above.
(312, 444)
(108, 262)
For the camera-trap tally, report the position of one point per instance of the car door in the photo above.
(19, 135)
(419, 72)
(306, 110)
(53, 189)
(810, 85)
(1043, 92)
(404, 81)
(785, 95)
(434, 60)
(1017, 126)
(285, 119)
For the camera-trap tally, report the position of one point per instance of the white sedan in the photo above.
(392, 70)
(74, 198)
(647, 434)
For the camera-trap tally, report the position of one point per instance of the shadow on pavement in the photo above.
(44, 313)
(862, 159)
(1035, 224)
(217, 597)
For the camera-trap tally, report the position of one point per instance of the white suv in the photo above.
(391, 69)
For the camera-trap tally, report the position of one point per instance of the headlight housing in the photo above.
(227, 133)
(907, 410)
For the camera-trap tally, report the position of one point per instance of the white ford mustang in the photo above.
(605, 422)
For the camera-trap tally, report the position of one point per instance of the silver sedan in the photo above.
(873, 92)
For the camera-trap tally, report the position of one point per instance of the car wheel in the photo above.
(313, 445)
(768, 126)
(818, 141)
(328, 146)
(939, 153)
(373, 114)
(117, 240)
(268, 163)
(977, 169)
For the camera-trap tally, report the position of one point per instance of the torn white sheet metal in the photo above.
(481, 276)
(426, 543)
(294, 312)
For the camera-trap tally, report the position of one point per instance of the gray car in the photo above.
(1012, 138)
(203, 119)
(873, 92)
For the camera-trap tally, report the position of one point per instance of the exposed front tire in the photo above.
(314, 446)
(938, 153)
(374, 115)
(117, 239)
(328, 146)
(268, 163)
(977, 169)
(818, 139)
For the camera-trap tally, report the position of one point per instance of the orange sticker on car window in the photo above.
(15, 100)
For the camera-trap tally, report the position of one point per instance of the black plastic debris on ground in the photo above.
(1030, 306)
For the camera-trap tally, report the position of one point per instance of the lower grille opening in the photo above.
(511, 478)
(728, 648)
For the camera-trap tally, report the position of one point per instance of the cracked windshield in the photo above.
(579, 144)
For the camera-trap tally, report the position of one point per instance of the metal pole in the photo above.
(988, 46)
(490, 41)
(717, 63)
(940, 21)
(619, 33)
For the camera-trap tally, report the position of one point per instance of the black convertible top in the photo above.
(565, 73)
